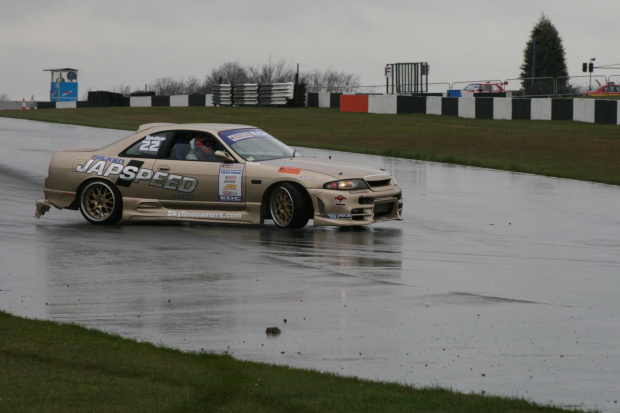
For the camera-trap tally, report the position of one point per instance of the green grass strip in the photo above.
(52, 367)
(566, 149)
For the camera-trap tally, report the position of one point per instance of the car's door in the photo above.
(184, 181)
(134, 166)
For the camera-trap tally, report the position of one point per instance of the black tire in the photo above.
(101, 203)
(287, 206)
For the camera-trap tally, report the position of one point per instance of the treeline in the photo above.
(236, 73)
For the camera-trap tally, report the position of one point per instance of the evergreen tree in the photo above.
(544, 54)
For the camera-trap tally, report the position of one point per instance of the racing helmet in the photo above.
(203, 145)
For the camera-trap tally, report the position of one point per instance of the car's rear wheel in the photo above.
(101, 203)
(287, 206)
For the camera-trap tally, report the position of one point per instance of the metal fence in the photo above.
(521, 87)
(578, 85)
(531, 87)
(375, 90)
(462, 84)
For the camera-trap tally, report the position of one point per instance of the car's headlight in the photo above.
(346, 184)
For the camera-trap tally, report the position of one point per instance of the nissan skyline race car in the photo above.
(215, 173)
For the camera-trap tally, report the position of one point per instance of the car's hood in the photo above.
(339, 170)
(79, 149)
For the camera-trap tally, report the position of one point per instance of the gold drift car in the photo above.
(215, 173)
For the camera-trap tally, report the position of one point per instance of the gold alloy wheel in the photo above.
(282, 206)
(98, 201)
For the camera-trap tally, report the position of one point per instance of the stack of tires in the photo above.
(276, 94)
(222, 95)
(104, 99)
(245, 94)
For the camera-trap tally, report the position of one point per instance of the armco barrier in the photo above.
(502, 109)
(606, 111)
(580, 110)
(466, 107)
(584, 110)
(386, 104)
(354, 103)
(541, 109)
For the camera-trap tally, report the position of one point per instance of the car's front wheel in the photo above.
(287, 206)
(101, 203)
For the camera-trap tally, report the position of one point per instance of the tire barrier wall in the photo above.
(580, 110)
(137, 102)
(276, 94)
(253, 94)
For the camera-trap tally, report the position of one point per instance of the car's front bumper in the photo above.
(352, 208)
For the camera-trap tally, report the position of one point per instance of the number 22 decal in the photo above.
(150, 146)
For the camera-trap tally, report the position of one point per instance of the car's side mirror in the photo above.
(224, 156)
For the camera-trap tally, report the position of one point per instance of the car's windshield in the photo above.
(256, 145)
(472, 86)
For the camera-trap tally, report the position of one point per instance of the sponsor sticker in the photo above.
(230, 179)
(289, 170)
(133, 173)
(205, 215)
(238, 136)
(233, 136)
(338, 216)
(108, 158)
(340, 200)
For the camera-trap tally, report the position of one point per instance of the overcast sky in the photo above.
(133, 42)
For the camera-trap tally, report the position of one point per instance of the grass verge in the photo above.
(566, 149)
(54, 367)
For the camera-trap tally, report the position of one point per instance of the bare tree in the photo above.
(271, 72)
(4, 97)
(192, 85)
(227, 73)
(123, 89)
(168, 86)
(330, 80)
(234, 73)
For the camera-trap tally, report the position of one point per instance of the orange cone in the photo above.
(23, 104)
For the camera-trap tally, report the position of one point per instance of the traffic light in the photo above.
(585, 67)
(591, 67)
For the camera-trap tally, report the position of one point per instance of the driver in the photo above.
(202, 149)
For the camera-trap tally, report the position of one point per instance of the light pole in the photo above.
(591, 69)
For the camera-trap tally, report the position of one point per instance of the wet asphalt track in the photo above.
(495, 282)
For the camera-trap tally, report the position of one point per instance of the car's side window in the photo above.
(147, 147)
(193, 146)
(180, 147)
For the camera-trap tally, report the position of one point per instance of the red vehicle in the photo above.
(487, 87)
(609, 89)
